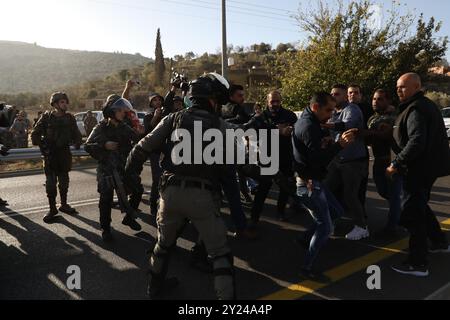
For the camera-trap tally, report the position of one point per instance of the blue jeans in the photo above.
(324, 208)
(390, 190)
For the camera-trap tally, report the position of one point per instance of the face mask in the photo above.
(187, 102)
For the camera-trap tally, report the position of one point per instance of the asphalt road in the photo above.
(34, 256)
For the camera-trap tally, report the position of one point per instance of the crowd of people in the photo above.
(15, 126)
(323, 168)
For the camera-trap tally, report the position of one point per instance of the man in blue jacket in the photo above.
(314, 149)
(349, 169)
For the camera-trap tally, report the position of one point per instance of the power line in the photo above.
(261, 6)
(171, 13)
(244, 11)
(250, 10)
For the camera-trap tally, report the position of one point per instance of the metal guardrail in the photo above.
(35, 154)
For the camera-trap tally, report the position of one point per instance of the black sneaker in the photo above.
(50, 215)
(406, 268)
(156, 287)
(441, 247)
(3, 203)
(107, 236)
(128, 221)
(309, 274)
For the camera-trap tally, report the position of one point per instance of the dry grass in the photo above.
(15, 166)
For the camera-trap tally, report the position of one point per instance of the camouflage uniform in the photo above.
(54, 135)
(95, 146)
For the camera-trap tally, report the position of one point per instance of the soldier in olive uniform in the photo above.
(188, 191)
(4, 147)
(54, 132)
(110, 143)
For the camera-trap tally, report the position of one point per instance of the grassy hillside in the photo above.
(30, 68)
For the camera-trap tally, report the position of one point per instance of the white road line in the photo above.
(46, 206)
(58, 283)
(25, 212)
(441, 294)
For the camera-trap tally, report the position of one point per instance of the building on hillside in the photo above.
(443, 71)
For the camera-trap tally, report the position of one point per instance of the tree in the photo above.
(178, 58)
(262, 48)
(344, 47)
(123, 75)
(189, 55)
(283, 47)
(92, 94)
(160, 66)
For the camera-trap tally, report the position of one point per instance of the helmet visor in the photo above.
(122, 104)
(220, 78)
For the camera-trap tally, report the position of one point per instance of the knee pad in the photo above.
(159, 259)
(224, 277)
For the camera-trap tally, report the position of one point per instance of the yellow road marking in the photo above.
(299, 290)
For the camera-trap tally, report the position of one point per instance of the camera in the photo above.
(180, 81)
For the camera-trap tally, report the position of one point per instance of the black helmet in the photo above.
(115, 102)
(57, 96)
(211, 85)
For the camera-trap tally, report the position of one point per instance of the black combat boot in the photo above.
(3, 203)
(65, 208)
(158, 285)
(107, 236)
(131, 222)
(53, 210)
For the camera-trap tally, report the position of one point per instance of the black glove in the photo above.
(135, 161)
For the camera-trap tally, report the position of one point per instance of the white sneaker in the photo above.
(357, 233)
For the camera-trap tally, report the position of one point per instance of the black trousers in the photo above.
(419, 219)
(105, 188)
(264, 185)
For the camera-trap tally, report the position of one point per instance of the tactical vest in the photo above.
(185, 120)
(58, 131)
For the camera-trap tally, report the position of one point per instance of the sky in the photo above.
(130, 26)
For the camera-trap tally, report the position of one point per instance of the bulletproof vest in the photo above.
(229, 111)
(185, 120)
(58, 131)
(122, 134)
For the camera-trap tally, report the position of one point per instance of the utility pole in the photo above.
(224, 40)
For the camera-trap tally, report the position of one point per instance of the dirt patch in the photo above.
(17, 166)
